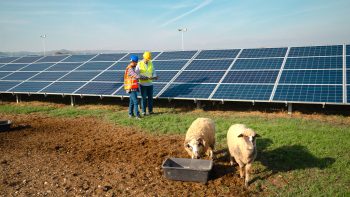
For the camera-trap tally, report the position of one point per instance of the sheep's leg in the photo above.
(247, 169)
(241, 171)
(231, 161)
(211, 153)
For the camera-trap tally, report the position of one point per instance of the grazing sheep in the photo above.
(200, 138)
(242, 147)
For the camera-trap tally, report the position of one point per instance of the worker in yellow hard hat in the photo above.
(145, 67)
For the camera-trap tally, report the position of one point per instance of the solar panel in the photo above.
(348, 77)
(217, 54)
(64, 66)
(201, 91)
(37, 67)
(176, 55)
(311, 77)
(140, 55)
(251, 77)
(243, 92)
(48, 76)
(63, 87)
(314, 63)
(27, 59)
(309, 93)
(2, 65)
(3, 74)
(6, 85)
(347, 49)
(209, 65)
(56, 58)
(112, 76)
(109, 57)
(157, 87)
(169, 65)
(29, 87)
(7, 59)
(95, 66)
(272, 63)
(264, 52)
(20, 76)
(78, 58)
(79, 76)
(347, 62)
(12, 67)
(200, 76)
(348, 95)
(165, 76)
(316, 51)
(97, 88)
(119, 66)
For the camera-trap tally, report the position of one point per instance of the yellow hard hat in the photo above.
(147, 55)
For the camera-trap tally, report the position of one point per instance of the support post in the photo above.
(290, 108)
(72, 101)
(18, 98)
(198, 105)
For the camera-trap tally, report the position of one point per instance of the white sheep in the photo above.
(242, 147)
(200, 138)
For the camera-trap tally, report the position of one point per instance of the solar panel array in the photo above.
(313, 74)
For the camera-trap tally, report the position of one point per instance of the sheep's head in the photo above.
(195, 148)
(249, 137)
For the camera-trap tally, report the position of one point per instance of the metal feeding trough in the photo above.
(5, 125)
(181, 169)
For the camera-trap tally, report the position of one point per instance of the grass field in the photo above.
(297, 156)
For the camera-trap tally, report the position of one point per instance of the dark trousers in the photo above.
(147, 98)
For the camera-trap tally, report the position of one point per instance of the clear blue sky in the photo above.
(152, 24)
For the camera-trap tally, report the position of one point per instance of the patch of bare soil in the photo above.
(82, 156)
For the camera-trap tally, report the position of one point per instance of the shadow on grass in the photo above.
(19, 128)
(288, 158)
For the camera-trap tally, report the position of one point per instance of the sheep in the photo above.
(241, 142)
(200, 138)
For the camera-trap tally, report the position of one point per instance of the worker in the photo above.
(131, 86)
(145, 67)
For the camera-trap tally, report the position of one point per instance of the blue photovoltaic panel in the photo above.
(112, 76)
(200, 76)
(53, 58)
(348, 78)
(311, 77)
(20, 76)
(176, 55)
(347, 49)
(109, 57)
(2, 65)
(309, 93)
(157, 87)
(165, 76)
(79, 76)
(7, 59)
(95, 66)
(64, 66)
(272, 63)
(119, 66)
(6, 85)
(30, 87)
(12, 67)
(169, 65)
(140, 55)
(263, 52)
(316, 51)
(48, 76)
(188, 91)
(347, 62)
(243, 92)
(37, 67)
(251, 77)
(78, 58)
(348, 95)
(3, 74)
(217, 54)
(209, 65)
(314, 63)
(99, 88)
(27, 59)
(63, 87)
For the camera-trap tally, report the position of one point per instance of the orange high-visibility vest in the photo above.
(129, 82)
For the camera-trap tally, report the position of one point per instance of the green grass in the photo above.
(296, 157)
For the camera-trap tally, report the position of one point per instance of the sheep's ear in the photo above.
(257, 135)
(240, 135)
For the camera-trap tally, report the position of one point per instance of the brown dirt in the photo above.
(83, 157)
